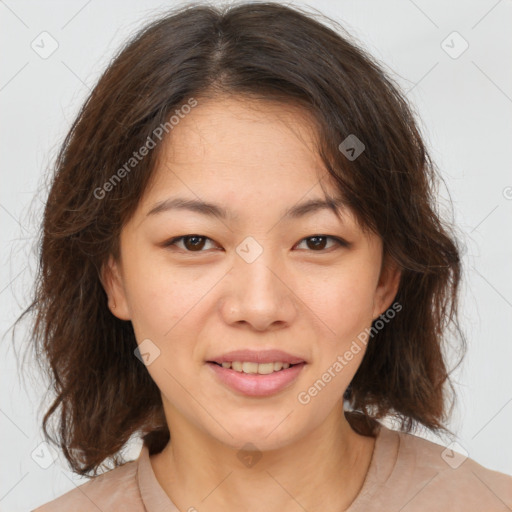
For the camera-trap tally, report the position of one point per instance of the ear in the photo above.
(387, 288)
(112, 280)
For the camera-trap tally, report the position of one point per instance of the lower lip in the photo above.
(254, 384)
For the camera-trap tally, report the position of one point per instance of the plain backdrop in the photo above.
(462, 95)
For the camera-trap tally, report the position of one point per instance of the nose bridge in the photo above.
(257, 277)
(258, 293)
(253, 267)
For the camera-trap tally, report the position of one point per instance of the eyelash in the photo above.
(173, 241)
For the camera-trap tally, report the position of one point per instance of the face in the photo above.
(197, 283)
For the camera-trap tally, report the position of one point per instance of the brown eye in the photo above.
(318, 242)
(190, 243)
(194, 242)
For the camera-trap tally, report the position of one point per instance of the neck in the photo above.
(324, 470)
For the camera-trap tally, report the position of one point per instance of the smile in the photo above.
(260, 368)
(256, 379)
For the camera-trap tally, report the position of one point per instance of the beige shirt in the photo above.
(407, 473)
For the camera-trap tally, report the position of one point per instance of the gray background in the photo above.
(465, 104)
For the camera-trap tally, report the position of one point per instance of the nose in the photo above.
(257, 295)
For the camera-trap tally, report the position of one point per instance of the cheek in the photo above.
(160, 304)
(158, 295)
(168, 302)
(342, 299)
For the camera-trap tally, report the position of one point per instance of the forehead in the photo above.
(236, 143)
(229, 119)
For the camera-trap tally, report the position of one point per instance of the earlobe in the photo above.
(389, 282)
(112, 281)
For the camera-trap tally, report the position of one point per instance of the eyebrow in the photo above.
(218, 211)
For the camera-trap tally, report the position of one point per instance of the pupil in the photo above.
(194, 244)
(317, 245)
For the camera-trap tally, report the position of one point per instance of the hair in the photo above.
(266, 51)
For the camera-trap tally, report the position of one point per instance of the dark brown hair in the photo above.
(103, 394)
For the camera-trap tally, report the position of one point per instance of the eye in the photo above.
(196, 243)
(191, 243)
(318, 242)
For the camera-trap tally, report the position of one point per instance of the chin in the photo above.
(265, 434)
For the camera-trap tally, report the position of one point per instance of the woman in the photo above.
(242, 264)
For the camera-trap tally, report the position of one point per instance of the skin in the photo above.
(257, 159)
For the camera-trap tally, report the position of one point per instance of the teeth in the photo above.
(237, 366)
(262, 368)
(250, 367)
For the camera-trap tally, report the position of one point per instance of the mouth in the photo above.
(255, 379)
(253, 368)
(256, 373)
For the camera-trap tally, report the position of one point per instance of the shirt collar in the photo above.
(153, 496)
(382, 464)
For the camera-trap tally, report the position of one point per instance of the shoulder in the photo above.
(438, 477)
(114, 490)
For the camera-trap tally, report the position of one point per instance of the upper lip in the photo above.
(257, 356)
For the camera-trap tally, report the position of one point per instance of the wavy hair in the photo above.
(102, 394)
